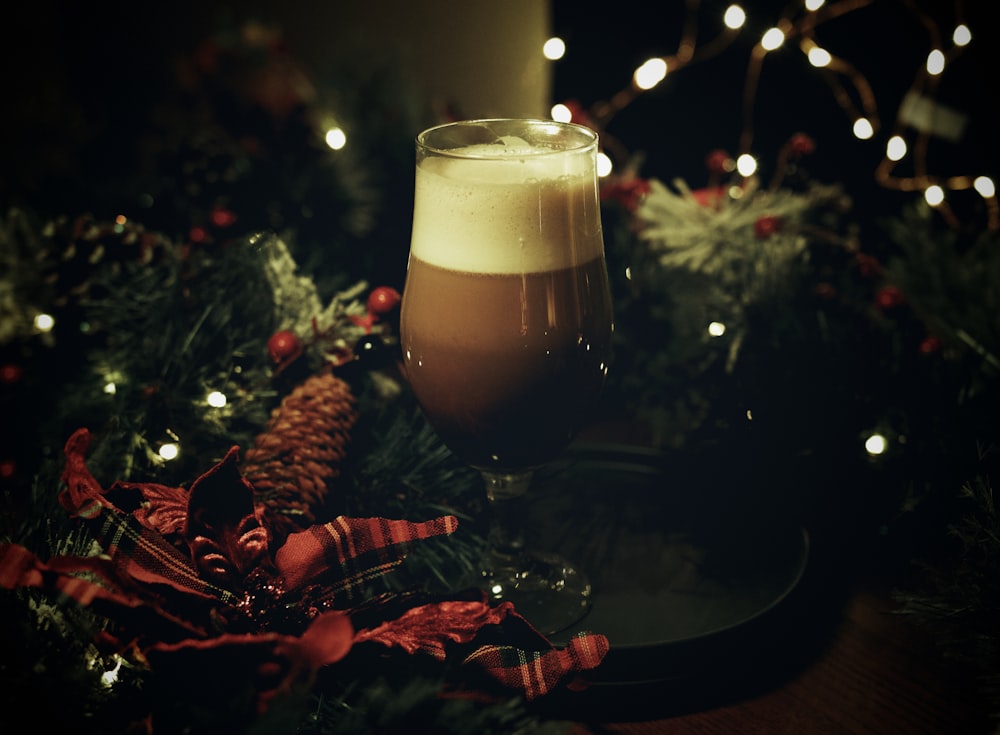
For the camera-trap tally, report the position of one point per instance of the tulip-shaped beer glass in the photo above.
(506, 323)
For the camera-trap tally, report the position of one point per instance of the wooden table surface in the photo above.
(837, 657)
(869, 669)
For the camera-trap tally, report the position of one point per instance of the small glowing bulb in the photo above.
(961, 35)
(216, 399)
(169, 451)
(604, 165)
(863, 129)
(336, 138)
(650, 73)
(934, 195)
(110, 388)
(876, 444)
(895, 149)
(985, 186)
(497, 590)
(772, 39)
(554, 48)
(813, 5)
(819, 57)
(44, 322)
(561, 113)
(716, 329)
(746, 165)
(734, 17)
(749, 415)
(108, 678)
(935, 62)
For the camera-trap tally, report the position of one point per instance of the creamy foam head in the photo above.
(509, 208)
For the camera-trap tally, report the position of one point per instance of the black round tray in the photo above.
(684, 560)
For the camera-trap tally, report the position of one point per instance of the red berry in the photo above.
(766, 226)
(719, 162)
(930, 345)
(10, 373)
(283, 345)
(888, 297)
(801, 144)
(383, 299)
(222, 217)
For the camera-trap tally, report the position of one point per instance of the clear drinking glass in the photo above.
(506, 323)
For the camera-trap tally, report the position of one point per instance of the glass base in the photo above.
(545, 589)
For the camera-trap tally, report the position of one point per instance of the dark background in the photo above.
(78, 72)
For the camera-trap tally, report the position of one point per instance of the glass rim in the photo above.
(588, 140)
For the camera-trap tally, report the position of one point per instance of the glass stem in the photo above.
(506, 539)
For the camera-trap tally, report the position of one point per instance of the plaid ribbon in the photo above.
(538, 672)
(138, 552)
(357, 549)
(142, 566)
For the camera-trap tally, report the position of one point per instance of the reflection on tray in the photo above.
(674, 559)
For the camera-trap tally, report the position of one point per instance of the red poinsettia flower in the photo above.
(192, 583)
(628, 192)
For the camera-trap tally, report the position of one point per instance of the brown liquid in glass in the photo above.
(506, 367)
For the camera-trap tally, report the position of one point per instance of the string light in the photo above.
(561, 113)
(216, 399)
(818, 56)
(604, 165)
(746, 165)
(651, 73)
(876, 444)
(109, 677)
(934, 195)
(985, 186)
(857, 99)
(44, 322)
(554, 49)
(895, 148)
(863, 128)
(773, 39)
(716, 329)
(734, 17)
(169, 451)
(336, 138)
(935, 62)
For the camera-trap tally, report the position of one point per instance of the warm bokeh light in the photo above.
(876, 444)
(819, 57)
(336, 138)
(985, 186)
(651, 73)
(561, 113)
(169, 451)
(734, 17)
(554, 49)
(895, 148)
(863, 128)
(934, 195)
(961, 36)
(216, 399)
(716, 329)
(772, 39)
(44, 322)
(746, 165)
(935, 62)
(812, 5)
(604, 165)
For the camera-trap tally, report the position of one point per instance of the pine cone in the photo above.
(77, 248)
(294, 462)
